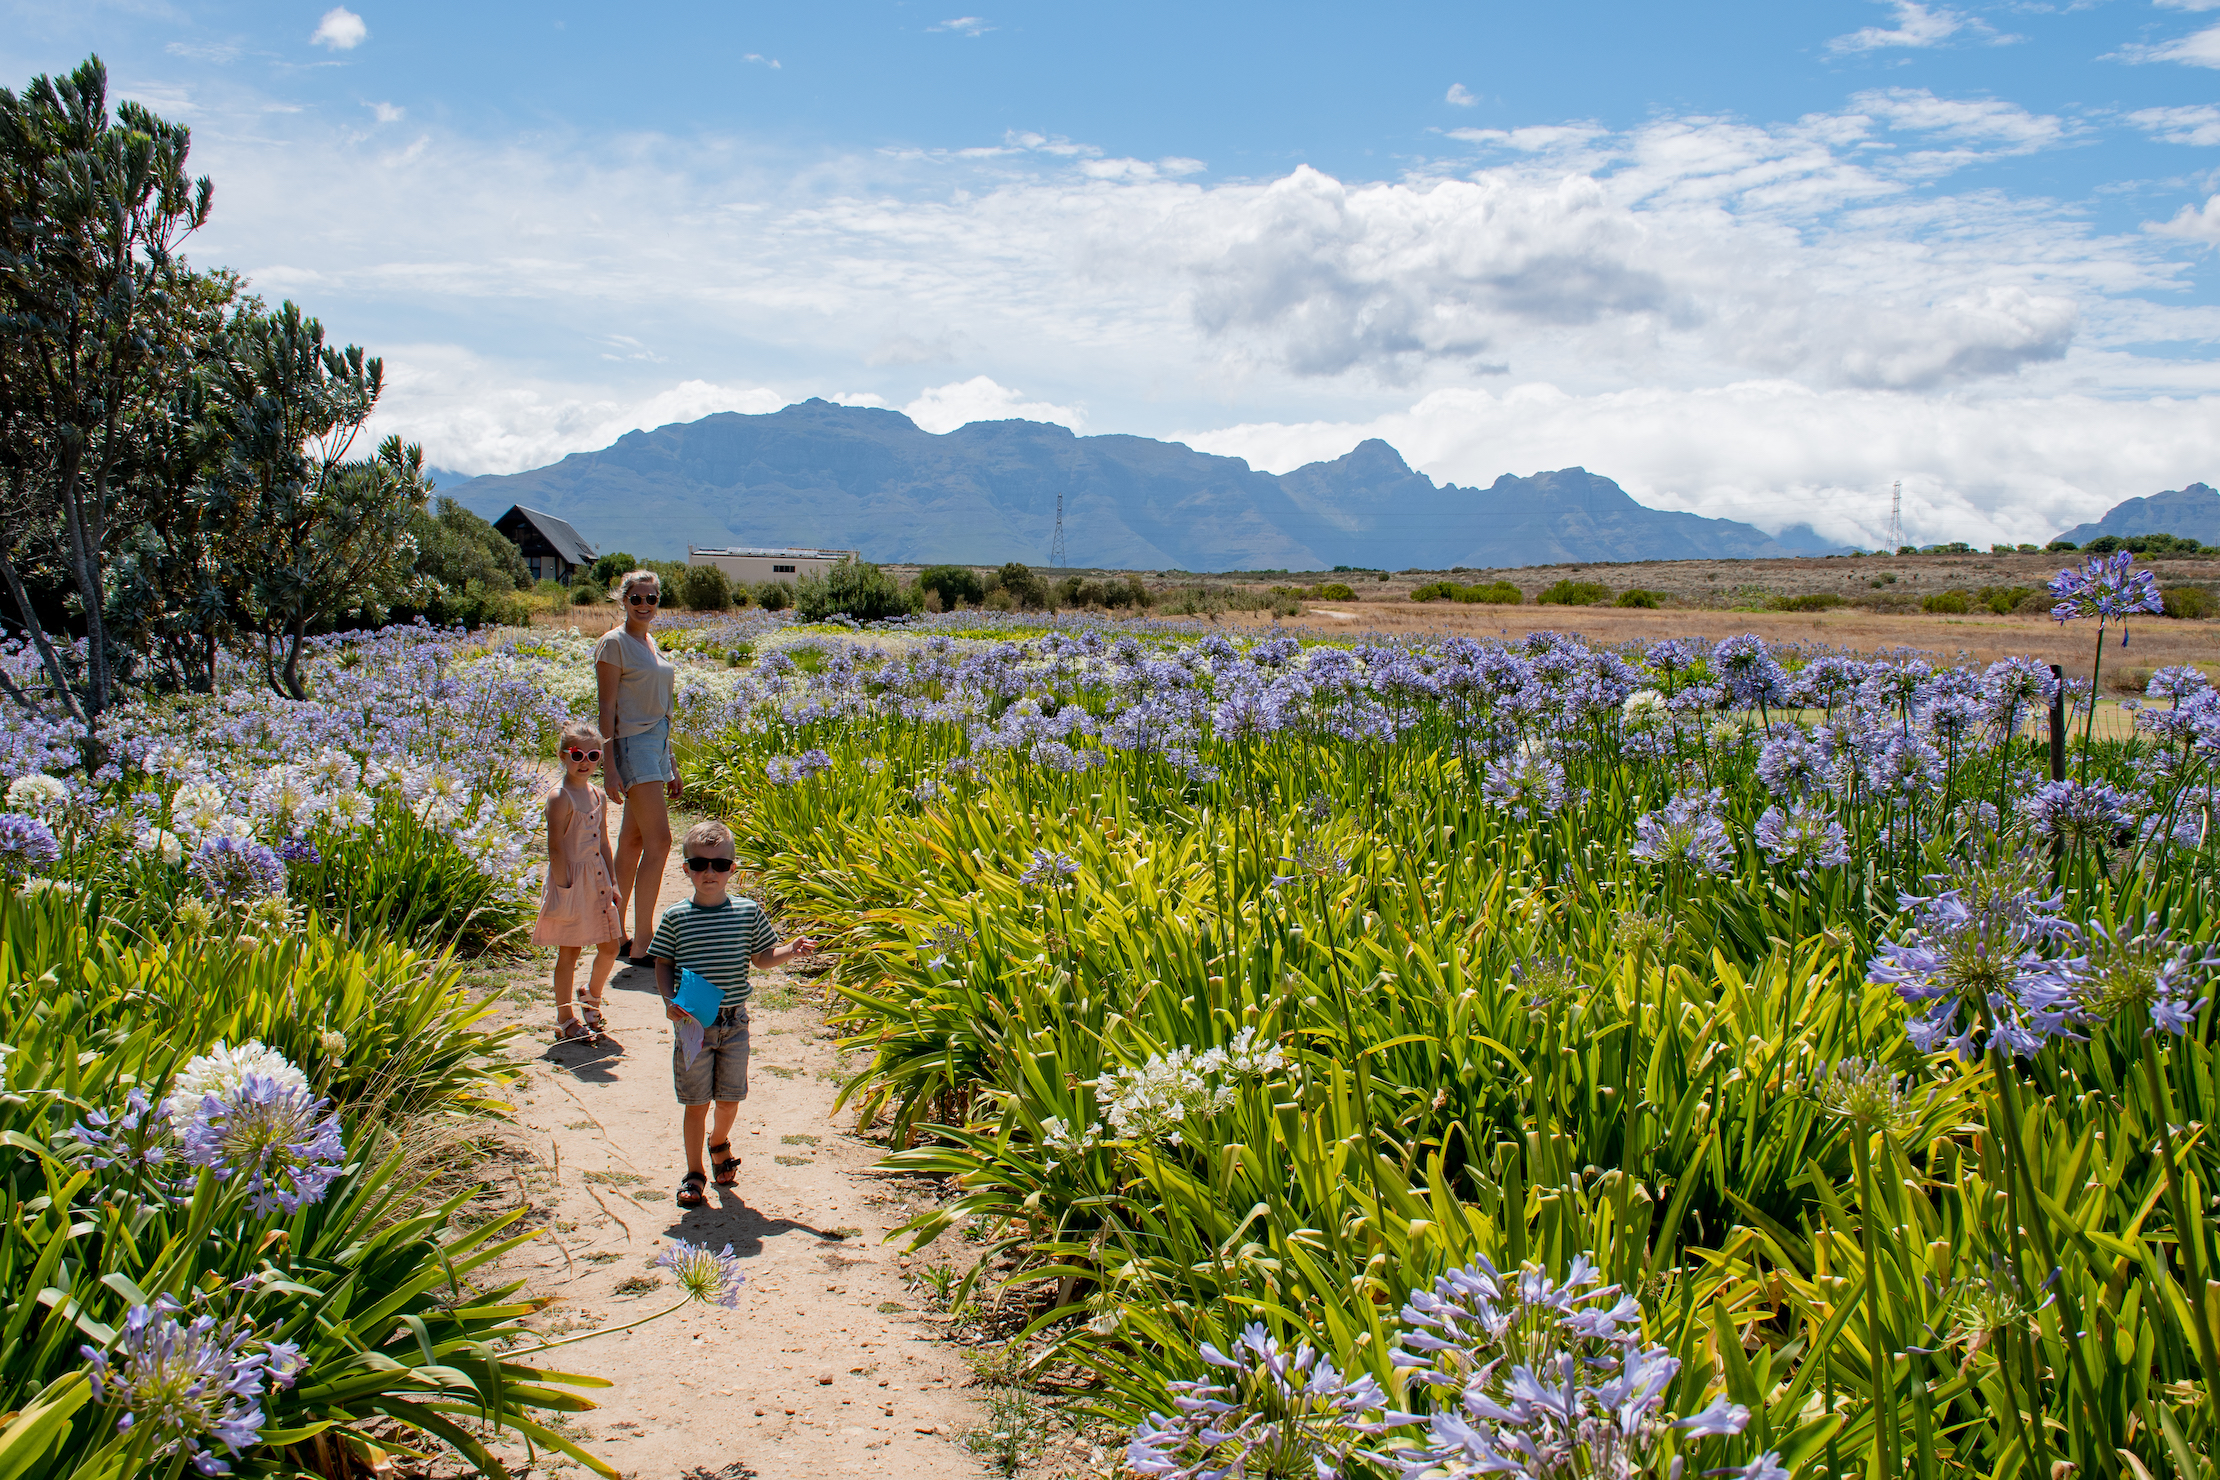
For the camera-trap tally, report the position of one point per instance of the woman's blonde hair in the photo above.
(578, 729)
(633, 578)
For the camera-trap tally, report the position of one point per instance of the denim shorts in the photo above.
(720, 1070)
(643, 757)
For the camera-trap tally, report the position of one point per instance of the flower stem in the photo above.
(548, 1346)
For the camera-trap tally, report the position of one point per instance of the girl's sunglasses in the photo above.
(638, 600)
(583, 755)
(704, 865)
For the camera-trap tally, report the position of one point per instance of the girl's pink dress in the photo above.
(583, 914)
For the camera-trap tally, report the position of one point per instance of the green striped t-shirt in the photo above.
(714, 943)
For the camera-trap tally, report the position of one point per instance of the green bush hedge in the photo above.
(1641, 598)
(1569, 592)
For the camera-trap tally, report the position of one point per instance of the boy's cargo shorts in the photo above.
(720, 1070)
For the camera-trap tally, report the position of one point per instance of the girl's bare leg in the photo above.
(566, 971)
(647, 847)
(605, 961)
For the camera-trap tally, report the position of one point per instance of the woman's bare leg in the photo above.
(646, 848)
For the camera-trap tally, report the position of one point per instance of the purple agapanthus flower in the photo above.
(1803, 838)
(711, 1278)
(1050, 869)
(272, 1134)
(26, 844)
(193, 1383)
(2080, 812)
(237, 869)
(1687, 831)
(300, 850)
(1271, 1412)
(1992, 949)
(1526, 786)
(2145, 972)
(137, 1135)
(2107, 588)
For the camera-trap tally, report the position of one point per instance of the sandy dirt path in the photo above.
(829, 1364)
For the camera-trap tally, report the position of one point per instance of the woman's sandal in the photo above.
(690, 1193)
(726, 1167)
(590, 1010)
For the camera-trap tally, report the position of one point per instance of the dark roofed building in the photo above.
(552, 549)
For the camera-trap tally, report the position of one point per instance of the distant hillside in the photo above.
(863, 478)
(2193, 513)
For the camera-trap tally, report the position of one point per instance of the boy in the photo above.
(718, 938)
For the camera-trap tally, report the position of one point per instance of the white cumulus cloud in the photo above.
(1459, 98)
(1916, 26)
(340, 30)
(2192, 224)
(944, 408)
(386, 112)
(2197, 124)
(965, 25)
(2202, 49)
(1774, 453)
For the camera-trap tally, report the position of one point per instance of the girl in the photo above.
(581, 907)
(636, 685)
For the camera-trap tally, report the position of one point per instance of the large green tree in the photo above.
(92, 211)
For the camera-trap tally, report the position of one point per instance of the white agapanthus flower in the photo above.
(350, 809)
(1152, 1102)
(228, 826)
(334, 770)
(162, 841)
(221, 1070)
(196, 807)
(36, 793)
(1644, 704)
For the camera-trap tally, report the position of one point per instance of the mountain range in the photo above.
(869, 479)
(2192, 513)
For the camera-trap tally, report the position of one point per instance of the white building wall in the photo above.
(753, 569)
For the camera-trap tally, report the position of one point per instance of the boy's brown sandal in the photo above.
(726, 1167)
(690, 1194)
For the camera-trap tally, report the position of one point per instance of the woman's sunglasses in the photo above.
(704, 865)
(638, 600)
(583, 755)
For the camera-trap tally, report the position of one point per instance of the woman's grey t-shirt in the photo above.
(646, 681)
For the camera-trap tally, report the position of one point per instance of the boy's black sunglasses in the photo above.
(704, 865)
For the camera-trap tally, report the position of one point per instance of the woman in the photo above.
(637, 684)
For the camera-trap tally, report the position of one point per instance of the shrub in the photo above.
(1641, 598)
(774, 596)
(954, 584)
(1017, 579)
(854, 588)
(2031, 549)
(2036, 603)
(586, 591)
(2061, 545)
(2006, 599)
(1435, 591)
(1951, 603)
(1809, 601)
(2189, 603)
(704, 588)
(1112, 592)
(612, 565)
(1569, 592)
(1335, 591)
(2001, 549)
(1494, 593)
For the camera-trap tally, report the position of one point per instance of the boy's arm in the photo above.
(779, 955)
(666, 983)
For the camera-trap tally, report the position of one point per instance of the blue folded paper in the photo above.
(699, 997)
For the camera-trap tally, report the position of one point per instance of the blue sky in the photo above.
(1753, 260)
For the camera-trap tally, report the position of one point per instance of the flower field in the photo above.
(1422, 1059)
(1455, 1059)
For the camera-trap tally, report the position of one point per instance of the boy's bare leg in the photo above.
(727, 1112)
(697, 1119)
